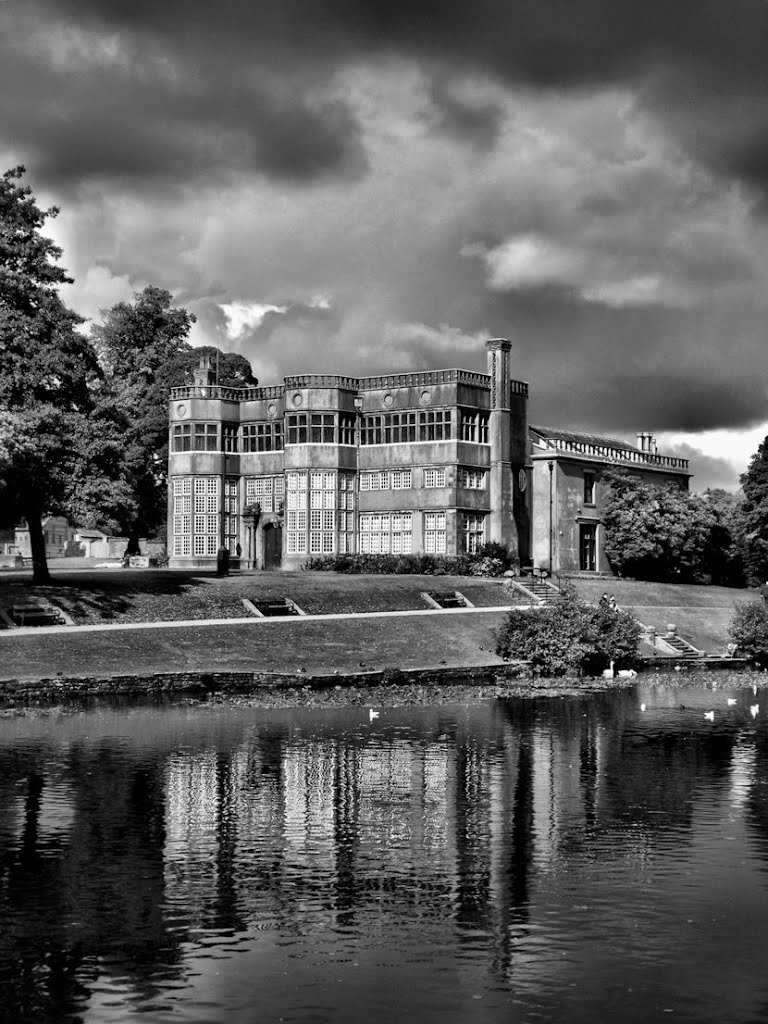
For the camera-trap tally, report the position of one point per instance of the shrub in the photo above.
(479, 564)
(749, 629)
(569, 637)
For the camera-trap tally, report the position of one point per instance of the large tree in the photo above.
(656, 532)
(753, 519)
(143, 349)
(724, 557)
(49, 440)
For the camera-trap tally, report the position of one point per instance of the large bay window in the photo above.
(197, 516)
(385, 533)
(403, 427)
(197, 437)
(266, 436)
(319, 504)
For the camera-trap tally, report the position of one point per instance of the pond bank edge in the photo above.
(232, 683)
(13, 691)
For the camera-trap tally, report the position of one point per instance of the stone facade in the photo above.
(437, 462)
(324, 464)
(568, 493)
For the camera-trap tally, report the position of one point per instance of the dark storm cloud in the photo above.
(470, 120)
(702, 64)
(146, 111)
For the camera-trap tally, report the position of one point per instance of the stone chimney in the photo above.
(203, 376)
(501, 520)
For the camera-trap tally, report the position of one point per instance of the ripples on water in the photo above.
(553, 859)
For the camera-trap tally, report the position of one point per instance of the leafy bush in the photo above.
(749, 629)
(569, 637)
(482, 563)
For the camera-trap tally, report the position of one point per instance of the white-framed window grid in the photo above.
(386, 480)
(472, 527)
(435, 538)
(471, 478)
(268, 491)
(434, 477)
(346, 514)
(384, 533)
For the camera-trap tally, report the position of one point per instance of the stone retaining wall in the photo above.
(21, 691)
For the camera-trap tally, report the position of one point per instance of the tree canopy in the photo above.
(50, 440)
(657, 532)
(754, 516)
(143, 349)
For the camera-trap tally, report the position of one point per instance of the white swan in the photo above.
(627, 673)
(753, 709)
(732, 701)
(709, 715)
(372, 714)
(608, 673)
(642, 707)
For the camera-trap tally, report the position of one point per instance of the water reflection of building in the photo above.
(451, 823)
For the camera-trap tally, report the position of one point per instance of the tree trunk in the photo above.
(40, 572)
(133, 547)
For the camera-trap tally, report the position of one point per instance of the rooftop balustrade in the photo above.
(427, 378)
(608, 453)
(246, 394)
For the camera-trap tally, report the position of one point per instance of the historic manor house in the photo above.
(437, 462)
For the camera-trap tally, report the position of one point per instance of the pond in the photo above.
(581, 858)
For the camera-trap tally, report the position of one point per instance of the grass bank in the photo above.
(701, 614)
(162, 595)
(266, 645)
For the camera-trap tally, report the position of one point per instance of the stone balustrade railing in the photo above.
(427, 378)
(610, 454)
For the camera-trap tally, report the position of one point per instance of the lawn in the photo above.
(314, 646)
(632, 593)
(701, 614)
(157, 595)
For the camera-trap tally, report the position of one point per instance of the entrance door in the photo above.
(587, 547)
(273, 546)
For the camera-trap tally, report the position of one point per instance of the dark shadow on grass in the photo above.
(86, 596)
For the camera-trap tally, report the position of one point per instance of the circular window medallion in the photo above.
(296, 399)
(522, 480)
(181, 409)
(271, 409)
(425, 397)
(388, 399)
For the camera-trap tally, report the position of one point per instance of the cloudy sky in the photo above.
(361, 186)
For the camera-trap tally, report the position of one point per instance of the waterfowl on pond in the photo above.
(627, 673)
(608, 673)
(709, 715)
(372, 714)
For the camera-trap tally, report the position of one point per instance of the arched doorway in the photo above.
(272, 545)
